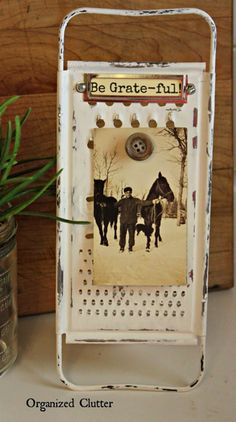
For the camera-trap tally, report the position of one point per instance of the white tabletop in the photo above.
(34, 376)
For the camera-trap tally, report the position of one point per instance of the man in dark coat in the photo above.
(129, 207)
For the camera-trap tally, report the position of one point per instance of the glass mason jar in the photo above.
(8, 295)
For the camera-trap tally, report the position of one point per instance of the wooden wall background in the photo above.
(28, 66)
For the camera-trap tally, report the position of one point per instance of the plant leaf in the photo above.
(25, 116)
(6, 145)
(30, 160)
(2, 111)
(8, 102)
(26, 192)
(18, 208)
(52, 217)
(14, 180)
(9, 196)
(15, 149)
(50, 191)
(23, 172)
(23, 120)
(4, 166)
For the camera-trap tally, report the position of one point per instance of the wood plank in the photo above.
(34, 69)
(35, 14)
(36, 263)
(221, 243)
(223, 131)
(222, 199)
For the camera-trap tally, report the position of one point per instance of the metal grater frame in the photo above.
(86, 313)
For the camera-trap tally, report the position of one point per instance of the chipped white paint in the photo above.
(76, 294)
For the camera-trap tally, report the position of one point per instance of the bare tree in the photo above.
(97, 164)
(104, 165)
(144, 194)
(117, 190)
(110, 160)
(178, 138)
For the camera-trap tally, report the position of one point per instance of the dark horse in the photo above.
(105, 211)
(152, 214)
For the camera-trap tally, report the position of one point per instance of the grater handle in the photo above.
(139, 13)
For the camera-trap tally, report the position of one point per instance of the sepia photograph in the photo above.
(140, 206)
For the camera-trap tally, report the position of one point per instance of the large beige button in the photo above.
(139, 146)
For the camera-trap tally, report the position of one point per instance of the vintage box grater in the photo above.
(135, 144)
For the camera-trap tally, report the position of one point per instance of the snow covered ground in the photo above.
(164, 265)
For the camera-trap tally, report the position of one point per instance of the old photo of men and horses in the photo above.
(140, 208)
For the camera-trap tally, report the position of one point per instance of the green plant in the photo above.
(20, 188)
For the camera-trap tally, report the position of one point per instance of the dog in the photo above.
(142, 228)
